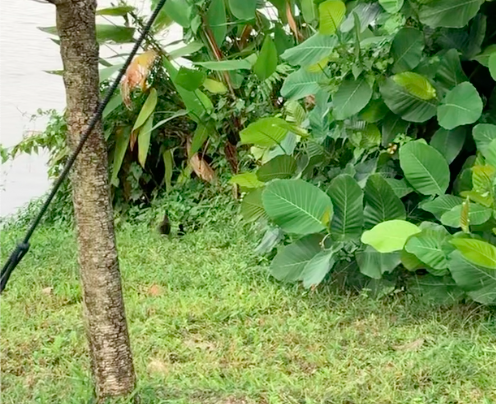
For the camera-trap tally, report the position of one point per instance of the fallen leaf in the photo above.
(197, 344)
(410, 346)
(47, 291)
(155, 290)
(157, 366)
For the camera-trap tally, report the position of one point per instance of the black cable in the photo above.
(23, 247)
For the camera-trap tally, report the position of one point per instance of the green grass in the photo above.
(215, 328)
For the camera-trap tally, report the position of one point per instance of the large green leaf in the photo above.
(243, 9)
(406, 49)
(217, 20)
(117, 11)
(381, 203)
(449, 142)
(424, 168)
(317, 268)
(301, 83)
(226, 65)
(461, 106)
(347, 199)
(144, 136)
(476, 251)
(311, 51)
(449, 72)
(479, 282)
(147, 109)
(431, 247)
(190, 79)
(400, 187)
(252, 207)
(297, 206)
(113, 104)
(246, 180)
(415, 84)
(180, 11)
(265, 132)
(104, 33)
(290, 261)
(281, 167)
(122, 136)
(449, 13)
(266, 63)
(351, 97)
(331, 14)
(483, 57)
(441, 205)
(484, 134)
(477, 214)
(389, 236)
(391, 6)
(374, 264)
(309, 11)
(405, 104)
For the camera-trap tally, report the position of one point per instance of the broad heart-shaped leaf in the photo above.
(190, 79)
(389, 236)
(251, 207)
(147, 109)
(477, 214)
(311, 51)
(246, 180)
(405, 104)
(449, 72)
(484, 134)
(180, 11)
(297, 206)
(479, 282)
(374, 264)
(476, 251)
(400, 187)
(290, 261)
(144, 136)
(281, 167)
(243, 9)
(449, 13)
(391, 6)
(449, 142)
(317, 268)
(461, 106)
(331, 15)
(301, 83)
(347, 199)
(406, 49)
(226, 65)
(381, 203)
(265, 132)
(441, 205)
(351, 97)
(216, 19)
(431, 247)
(424, 168)
(492, 66)
(266, 63)
(416, 84)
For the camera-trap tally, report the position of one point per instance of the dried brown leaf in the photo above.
(410, 346)
(136, 75)
(157, 366)
(202, 168)
(155, 290)
(47, 291)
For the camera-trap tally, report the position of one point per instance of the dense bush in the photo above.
(390, 163)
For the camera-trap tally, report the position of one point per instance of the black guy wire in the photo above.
(23, 247)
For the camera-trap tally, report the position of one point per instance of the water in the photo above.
(26, 53)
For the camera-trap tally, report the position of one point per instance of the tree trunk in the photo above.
(105, 319)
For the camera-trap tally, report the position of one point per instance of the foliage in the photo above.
(394, 149)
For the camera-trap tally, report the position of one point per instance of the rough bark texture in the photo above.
(105, 319)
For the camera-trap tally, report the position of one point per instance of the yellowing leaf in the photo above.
(416, 84)
(136, 75)
(247, 180)
(318, 67)
(214, 86)
(331, 13)
(476, 251)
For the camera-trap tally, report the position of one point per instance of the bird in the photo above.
(165, 226)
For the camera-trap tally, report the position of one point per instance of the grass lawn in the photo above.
(208, 325)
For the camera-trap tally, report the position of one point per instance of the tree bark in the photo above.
(105, 319)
